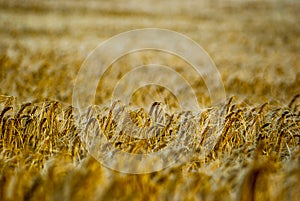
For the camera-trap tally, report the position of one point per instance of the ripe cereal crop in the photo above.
(244, 148)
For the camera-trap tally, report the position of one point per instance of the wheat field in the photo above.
(253, 154)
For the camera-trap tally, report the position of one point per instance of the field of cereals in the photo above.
(244, 148)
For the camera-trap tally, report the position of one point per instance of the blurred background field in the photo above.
(255, 46)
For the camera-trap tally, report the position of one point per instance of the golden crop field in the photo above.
(244, 148)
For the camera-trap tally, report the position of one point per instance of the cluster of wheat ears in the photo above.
(255, 154)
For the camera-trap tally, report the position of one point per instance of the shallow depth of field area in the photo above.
(253, 154)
